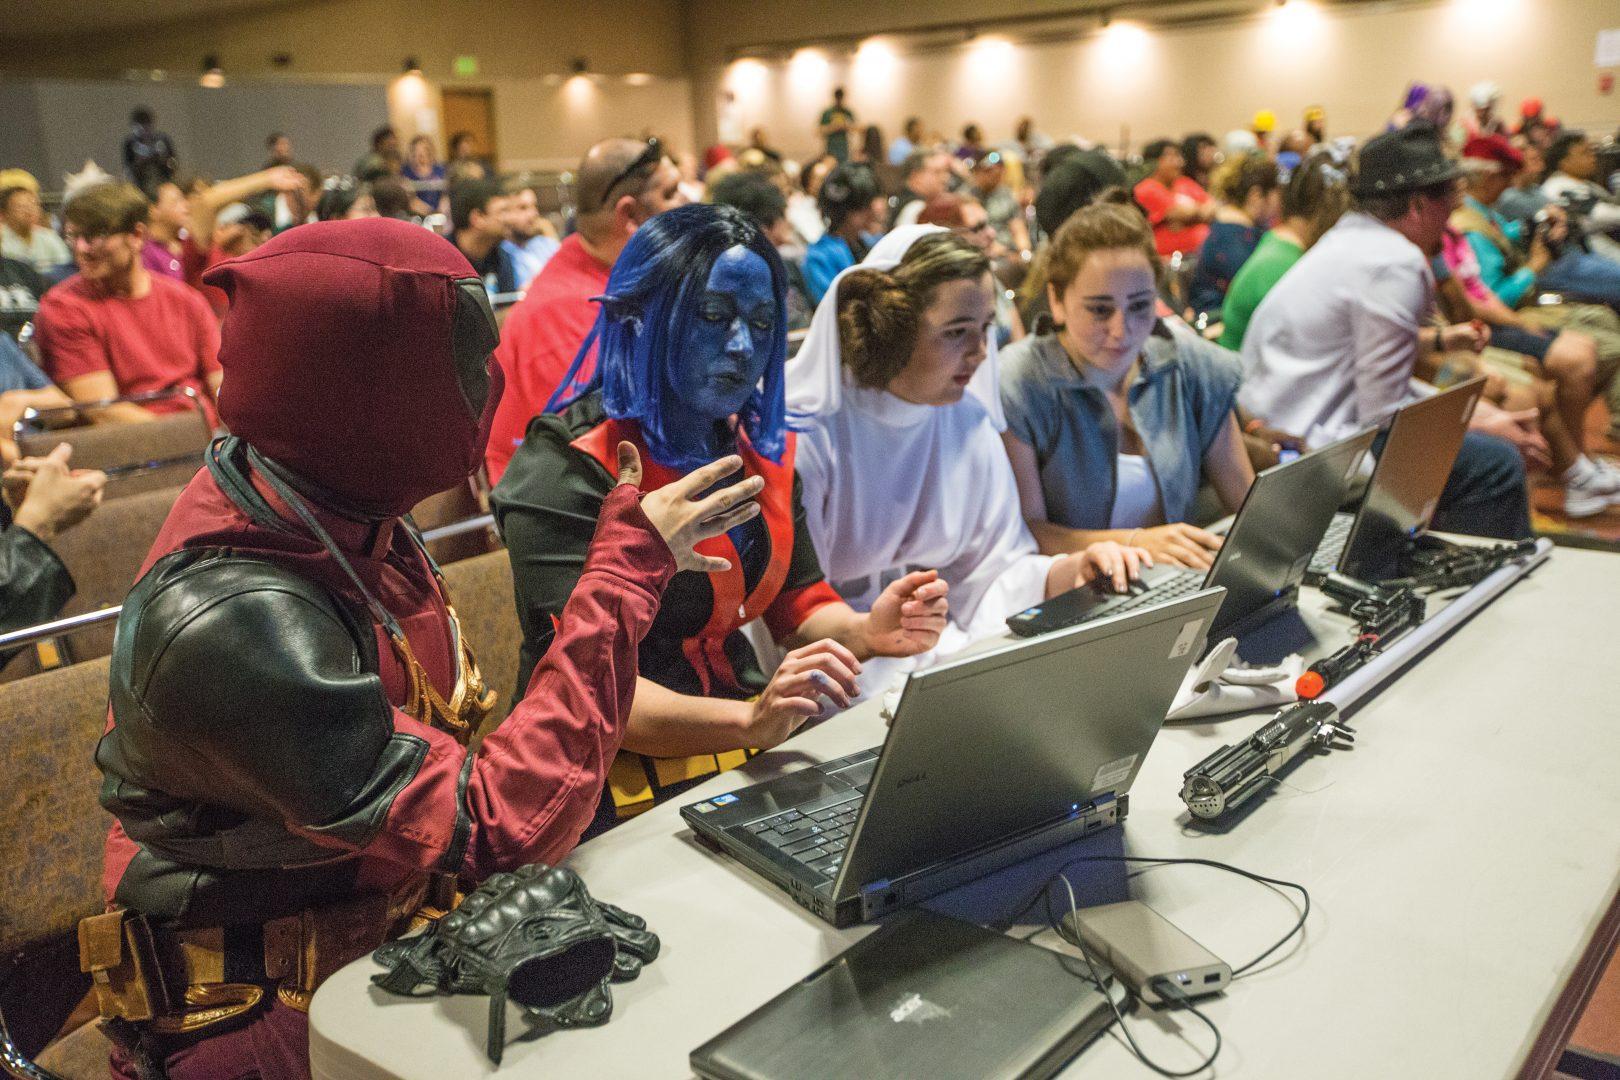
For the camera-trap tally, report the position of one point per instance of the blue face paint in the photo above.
(724, 349)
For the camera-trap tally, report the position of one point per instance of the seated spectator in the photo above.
(1333, 347)
(24, 236)
(1316, 195)
(423, 170)
(1031, 142)
(1001, 203)
(44, 497)
(237, 230)
(1200, 154)
(972, 146)
(692, 376)
(464, 163)
(150, 157)
(170, 250)
(215, 239)
(392, 198)
(1572, 182)
(925, 174)
(965, 217)
(382, 159)
(909, 142)
(478, 212)
(115, 329)
(20, 290)
(1112, 418)
(1249, 202)
(894, 395)
(530, 239)
(759, 140)
(344, 198)
(620, 184)
(296, 205)
(1515, 262)
(1523, 200)
(279, 146)
(1177, 207)
(871, 150)
(762, 203)
(851, 206)
(1073, 181)
(1555, 375)
(802, 212)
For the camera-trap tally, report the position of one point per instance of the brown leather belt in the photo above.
(179, 981)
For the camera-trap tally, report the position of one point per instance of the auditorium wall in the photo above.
(1132, 83)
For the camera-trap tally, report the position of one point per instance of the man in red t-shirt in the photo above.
(116, 329)
(1177, 207)
(622, 183)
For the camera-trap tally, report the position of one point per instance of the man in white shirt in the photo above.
(1332, 348)
(24, 236)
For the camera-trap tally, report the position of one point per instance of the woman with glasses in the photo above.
(967, 218)
(691, 345)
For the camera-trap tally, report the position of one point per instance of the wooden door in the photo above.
(472, 110)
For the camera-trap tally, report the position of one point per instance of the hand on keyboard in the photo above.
(1179, 544)
(1106, 564)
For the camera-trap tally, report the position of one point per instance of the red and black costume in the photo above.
(289, 695)
(547, 505)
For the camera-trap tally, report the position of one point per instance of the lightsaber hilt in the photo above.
(1232, 775)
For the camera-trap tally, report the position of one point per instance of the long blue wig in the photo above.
(653, 291)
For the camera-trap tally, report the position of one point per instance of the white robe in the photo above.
(891, 487)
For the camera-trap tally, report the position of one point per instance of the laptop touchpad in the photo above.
(859, 774)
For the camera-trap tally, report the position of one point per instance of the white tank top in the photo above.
(1136, 495)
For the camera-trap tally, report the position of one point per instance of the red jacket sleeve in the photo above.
(534, 784)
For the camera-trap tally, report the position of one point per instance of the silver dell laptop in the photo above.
(991, 759)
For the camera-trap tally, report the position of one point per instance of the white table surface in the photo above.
(1459, 860)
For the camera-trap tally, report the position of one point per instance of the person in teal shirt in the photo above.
(1316, 195)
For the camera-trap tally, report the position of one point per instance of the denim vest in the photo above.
(1182, 390)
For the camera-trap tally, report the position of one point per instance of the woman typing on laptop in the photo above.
(692, 342)
(1113, 418)
(894, 397)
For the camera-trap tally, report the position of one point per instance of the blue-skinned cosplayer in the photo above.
(691, 351)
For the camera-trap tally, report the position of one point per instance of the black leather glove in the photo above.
(535, 935)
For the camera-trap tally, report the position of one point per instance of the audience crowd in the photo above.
(959, 375)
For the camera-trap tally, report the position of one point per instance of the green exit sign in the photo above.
(466, 66)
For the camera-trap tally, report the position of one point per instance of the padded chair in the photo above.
(50, 875)
(482, 592)
(465, 500)
(137, 457)
(104, 554)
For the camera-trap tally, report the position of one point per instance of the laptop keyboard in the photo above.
(1171, 588)
(1331, 549)
(816, 839)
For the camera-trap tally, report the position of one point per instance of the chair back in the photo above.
(482, 593)
(136, 457)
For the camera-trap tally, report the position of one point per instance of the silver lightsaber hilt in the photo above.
(1231, 775)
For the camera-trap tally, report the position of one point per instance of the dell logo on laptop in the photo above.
(907, 781)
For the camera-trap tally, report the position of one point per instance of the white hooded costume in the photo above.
(891, 486)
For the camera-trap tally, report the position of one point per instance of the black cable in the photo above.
(1297, 928)
(1096, 978)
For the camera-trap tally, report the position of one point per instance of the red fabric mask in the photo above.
(358, 354)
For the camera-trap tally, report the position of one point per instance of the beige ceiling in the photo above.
(34, 18)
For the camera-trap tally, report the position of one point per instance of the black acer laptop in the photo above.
(925, 996)
(1261, 562)
(991, 758)
(1413, 466)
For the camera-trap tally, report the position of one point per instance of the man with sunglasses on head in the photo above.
(620, 184)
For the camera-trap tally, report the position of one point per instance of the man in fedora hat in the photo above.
(1332, 348)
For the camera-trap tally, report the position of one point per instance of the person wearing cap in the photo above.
(1316, 124)
(1484, 97)
(1263, 124)
(1005, 210)
(1333, 347)
(1572, 168)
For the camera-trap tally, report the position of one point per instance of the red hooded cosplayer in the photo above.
(289, 695)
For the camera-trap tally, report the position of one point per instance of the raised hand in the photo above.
(682, 518)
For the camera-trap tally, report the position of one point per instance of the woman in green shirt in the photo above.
(1316, 195)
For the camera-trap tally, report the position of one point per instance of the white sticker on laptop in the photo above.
(1187, 638)
(1113, 774)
